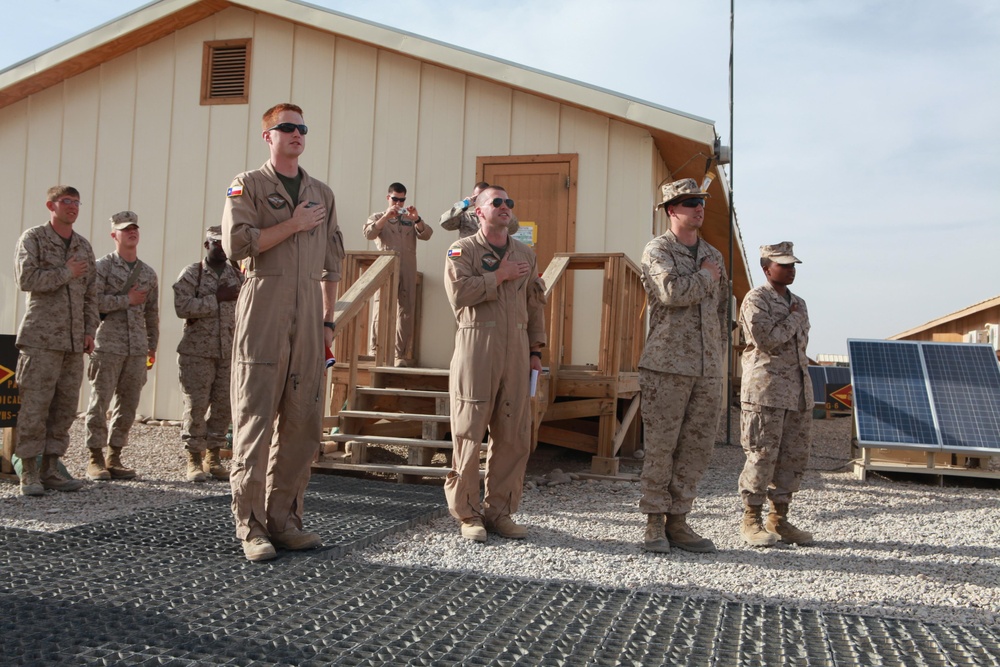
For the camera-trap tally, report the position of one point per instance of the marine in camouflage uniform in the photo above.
(776, 400)
(462, 216)
(205, 298)
(398, 228)
(55, 266)
(681, 368)
(499, 302)
(128, 299)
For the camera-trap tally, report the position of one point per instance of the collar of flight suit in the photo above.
(268, 170)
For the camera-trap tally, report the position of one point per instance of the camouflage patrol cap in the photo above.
(779, 253)
(686, 188)
(213, 234)
(123, 219)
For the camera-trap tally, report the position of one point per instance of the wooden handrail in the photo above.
(349, 305)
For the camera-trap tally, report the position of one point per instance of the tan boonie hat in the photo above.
(123, 219)
(686, 188)
(213, 234)
(779, 253)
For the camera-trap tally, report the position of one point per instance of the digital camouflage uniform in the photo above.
(490, 374)
(205, 352)
(776, 396)
(124, 339)
(278, 348)
(401, 236)
(462, 217)
(680, 371)
(61, 312)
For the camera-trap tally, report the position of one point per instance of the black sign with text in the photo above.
(10, 401)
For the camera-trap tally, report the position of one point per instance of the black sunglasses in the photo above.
(288, 128)
(498, 201)
(397, 200)
(693, 203)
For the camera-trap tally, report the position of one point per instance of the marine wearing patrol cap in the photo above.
(213, 233)
(123, 219)
(686, 188)
(779, 253)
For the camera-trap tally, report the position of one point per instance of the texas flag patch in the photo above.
(235, 191)
(454, 252)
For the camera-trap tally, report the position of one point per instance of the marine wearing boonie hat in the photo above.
(779, 253)
(124, 219)
(686, 188)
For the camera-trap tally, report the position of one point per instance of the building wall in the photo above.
(955, 329)
(131, 134)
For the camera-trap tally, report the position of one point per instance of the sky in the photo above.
(867, 132)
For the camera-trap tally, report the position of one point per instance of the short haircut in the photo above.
(765, 262)
(482, 198)
(482, 185)
(58, 191)
(270, 118)
(397, 187)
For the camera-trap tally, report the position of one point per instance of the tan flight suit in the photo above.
(680, 371)
(278, 348)
(124, 338)
(490, 374)
(61, 312)
(465, 221)
(205, 352)
(776, 396)
(401, 236)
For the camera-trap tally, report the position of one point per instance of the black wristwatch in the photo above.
(536, 353)
(330, 325)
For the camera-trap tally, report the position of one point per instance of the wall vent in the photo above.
(225, 72)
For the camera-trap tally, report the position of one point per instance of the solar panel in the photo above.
(925, 395)
(824, 375)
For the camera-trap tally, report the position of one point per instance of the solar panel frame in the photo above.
(929, 396)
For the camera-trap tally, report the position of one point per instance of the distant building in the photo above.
(978, 323)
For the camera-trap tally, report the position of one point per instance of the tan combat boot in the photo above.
(681, 536)
(295, 539)
(777, 523)
(115, 467)
(504, 526)
(52, 478)
(473, 529)
(212, 464)
(753, 530)
(97, 470)
(194, 471)
(655, 539)
(31, 485)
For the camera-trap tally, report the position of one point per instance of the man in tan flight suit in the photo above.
(128, 298)
(285, 223)
(681, 368)
(55, 267)
(463, 219)
(776, 400)
(205, 298)
(499, 302)
(398, 228)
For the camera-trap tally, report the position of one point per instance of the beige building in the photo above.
(158, 110)
(978, 323)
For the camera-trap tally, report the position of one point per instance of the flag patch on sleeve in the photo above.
(235, 190)
(454, 252)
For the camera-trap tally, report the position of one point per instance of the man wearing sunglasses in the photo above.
(462, 216)
(398, 228)
(776, 400)
(681, 368)
(56, 268)
(283, 223)
(499, 302)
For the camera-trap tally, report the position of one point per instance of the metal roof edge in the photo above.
(958, 314)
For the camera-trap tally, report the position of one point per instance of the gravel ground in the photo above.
(897, 548)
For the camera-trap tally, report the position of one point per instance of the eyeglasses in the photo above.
(288, 128)
(693, 203)
(68, 202)
(397, 200)
(497, 202)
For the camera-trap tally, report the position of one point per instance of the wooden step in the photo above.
(387, 440)
(395, 416)
(402, 370)
(416, 393)
(417, 471)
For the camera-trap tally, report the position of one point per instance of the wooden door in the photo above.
(543, 188)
